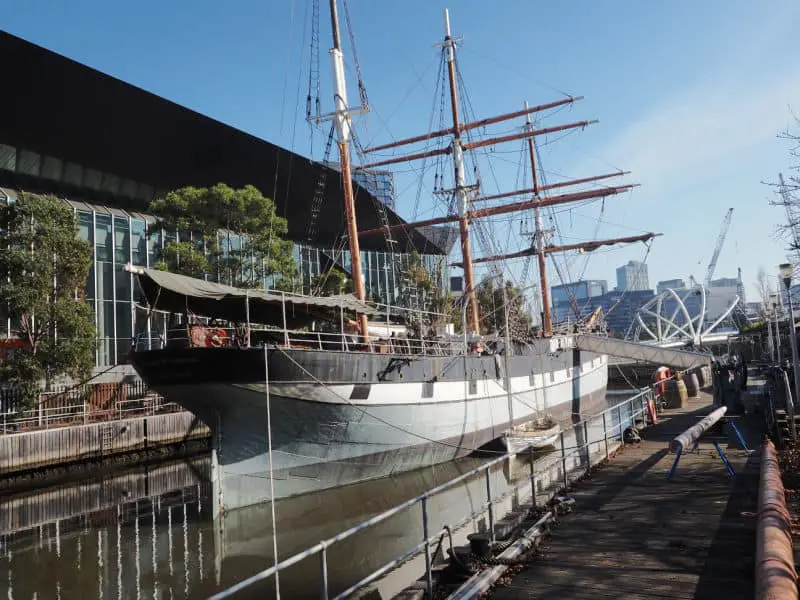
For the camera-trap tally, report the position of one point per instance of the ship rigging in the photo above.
(466, 195)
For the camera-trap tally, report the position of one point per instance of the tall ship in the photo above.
(294, 410)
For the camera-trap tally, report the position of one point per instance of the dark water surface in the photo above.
(148, 532)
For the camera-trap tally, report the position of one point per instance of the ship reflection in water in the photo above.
(148, 533)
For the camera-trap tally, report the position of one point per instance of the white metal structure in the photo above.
(653, 324)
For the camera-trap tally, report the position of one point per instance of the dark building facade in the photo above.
(108, 148)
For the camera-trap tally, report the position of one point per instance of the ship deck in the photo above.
(635, 535)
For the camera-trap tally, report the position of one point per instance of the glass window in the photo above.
(85, 229)
(154, 237)
(105, 245)
(105, 280)
(139, 241)
(124, 321)
(123, 283)
(110, 183)
(8, 157)
(90, 282)
(105, 331)
(52, 168)
(122, 241)
(92, 179)
(28, 162)
(4, 319)
(73, 173)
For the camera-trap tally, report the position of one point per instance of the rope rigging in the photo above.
(362, 90)
(313, 71)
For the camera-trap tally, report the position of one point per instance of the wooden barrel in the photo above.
(692, 384)
(675, 394)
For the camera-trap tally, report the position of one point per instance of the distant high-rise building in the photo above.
(670, 284)
(632, 277)
(582, 292)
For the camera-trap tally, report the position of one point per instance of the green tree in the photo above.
(492, 312)
(331, 283)
(236, 234)
(44, 266)
(416, 285)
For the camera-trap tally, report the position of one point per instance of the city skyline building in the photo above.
(632, 277)
(670, 284)
(581, 293)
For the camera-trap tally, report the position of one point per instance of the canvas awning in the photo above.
(176, 293)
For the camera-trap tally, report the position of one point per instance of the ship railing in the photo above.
(549, 475)
(228, 337)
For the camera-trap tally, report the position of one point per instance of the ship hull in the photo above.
(339, 418)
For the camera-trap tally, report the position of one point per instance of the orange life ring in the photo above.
(216, 338)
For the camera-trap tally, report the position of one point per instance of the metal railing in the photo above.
(227, 337)
(81, 404)
(599, 430)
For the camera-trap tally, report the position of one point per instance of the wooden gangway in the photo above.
(674, 357)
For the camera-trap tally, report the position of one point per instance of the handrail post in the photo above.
(588, 445)
(285, 328)
(323, 566)
(605, 434)
(491, 505)
(564, 461)
(533, 477)
(619, 422)
(426, 534)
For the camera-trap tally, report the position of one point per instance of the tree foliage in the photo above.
(493, 313)
(788, 194)
(331, 283)
(44, 266)
(430, 307)
(237, 236)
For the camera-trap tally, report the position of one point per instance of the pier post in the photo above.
(323, 569)
(587, 444)
(491, 505)
(426, 534)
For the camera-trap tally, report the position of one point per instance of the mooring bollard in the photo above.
(691, 437)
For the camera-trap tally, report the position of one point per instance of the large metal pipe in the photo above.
(686, 440)
(776, 577)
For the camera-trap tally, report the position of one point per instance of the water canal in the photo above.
(148, 532)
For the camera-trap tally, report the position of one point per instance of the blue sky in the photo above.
(690, 97)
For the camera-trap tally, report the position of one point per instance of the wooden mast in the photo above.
(538, 237)
(343, 125)
(460, 181)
